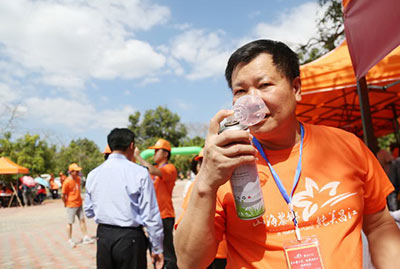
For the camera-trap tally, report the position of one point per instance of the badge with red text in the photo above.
(303, 254)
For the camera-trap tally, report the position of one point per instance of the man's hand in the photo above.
(157, 260)
(224, 152)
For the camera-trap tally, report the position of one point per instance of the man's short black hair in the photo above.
(169, 154)
(285, 60)
(120, 139)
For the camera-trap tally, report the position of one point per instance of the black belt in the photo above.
(140, 227)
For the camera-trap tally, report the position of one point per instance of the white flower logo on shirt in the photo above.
(305, 199)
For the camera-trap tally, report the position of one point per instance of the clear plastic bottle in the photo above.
(249, 110)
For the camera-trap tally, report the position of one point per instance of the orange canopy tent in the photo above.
(329, 92)
(9, 167)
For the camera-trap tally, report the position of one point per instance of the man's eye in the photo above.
(264, 85)
(240, 91)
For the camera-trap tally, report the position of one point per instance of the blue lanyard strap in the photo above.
(278, 182)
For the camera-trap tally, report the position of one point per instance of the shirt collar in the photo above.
(117, 156)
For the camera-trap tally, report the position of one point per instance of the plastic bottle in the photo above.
(249, 110)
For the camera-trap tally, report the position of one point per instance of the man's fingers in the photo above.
(233, 137)
(238, 149)
(215, 121)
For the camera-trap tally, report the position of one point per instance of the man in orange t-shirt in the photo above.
(71, 196)
(164, 175)
(321, 185)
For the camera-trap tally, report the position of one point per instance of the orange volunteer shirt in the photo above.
(72, 189)
(53, 185)
(222, 248)
(163, 186)
(341, 180)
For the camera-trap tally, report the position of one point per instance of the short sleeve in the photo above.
(65, 187)
(220, 215)
(377, 185)
(168, 172)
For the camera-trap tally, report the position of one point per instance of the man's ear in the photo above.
(132, 146)
(296, 84)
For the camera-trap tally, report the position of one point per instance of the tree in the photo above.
(29, 151)
(84, 152)
(35, 154)
(8, 117)
(330, 32)
(158, 123)
(6, 146)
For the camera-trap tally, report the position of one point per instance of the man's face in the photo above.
(74, 173)
(261, 77)
(159, 155)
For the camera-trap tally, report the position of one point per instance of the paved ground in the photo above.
(35, 237)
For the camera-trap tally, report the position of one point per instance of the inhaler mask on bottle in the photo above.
(249, 110)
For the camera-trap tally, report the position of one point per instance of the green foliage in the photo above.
(29, 151)
(84, 152)
(162, 123)
(183, 163)
(384, 142)
(35, 154)
(330, 32)
(158, 123)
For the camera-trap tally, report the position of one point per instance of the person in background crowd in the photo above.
(107, 152)
(27, 192)
(385, 159)
(63, 177)
(321, 185)
(40, 194)
(164, 175)
(120, 196)
(194, 169)
(53, 187)
(71, 196)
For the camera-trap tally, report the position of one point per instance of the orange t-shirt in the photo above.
(163, 186)
(222, 248)
(72, 188)
(53, 185)
(340, 181)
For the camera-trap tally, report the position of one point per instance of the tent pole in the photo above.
(368, 130)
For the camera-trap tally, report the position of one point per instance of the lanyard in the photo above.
(278, 182)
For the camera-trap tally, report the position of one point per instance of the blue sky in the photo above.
(75, 69)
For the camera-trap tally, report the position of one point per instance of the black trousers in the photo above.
(54, 194)
(217, 264)
(169, 250)
(121, 247)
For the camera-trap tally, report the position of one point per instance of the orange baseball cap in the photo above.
(200, 156)
(74, 167)
(162, 144)
(107, 150)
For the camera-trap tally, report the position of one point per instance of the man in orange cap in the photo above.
(71, 196)
(164, 175)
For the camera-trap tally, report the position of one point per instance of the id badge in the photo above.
(303, 254)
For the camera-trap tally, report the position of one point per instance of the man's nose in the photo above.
(254, 91)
